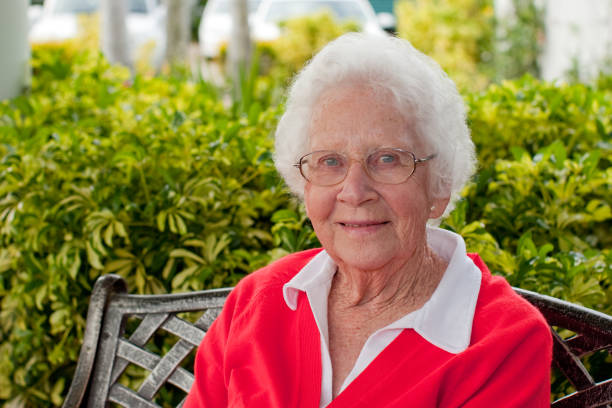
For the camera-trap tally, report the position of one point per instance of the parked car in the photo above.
(216, 25)
(145, 21)
(265, 25)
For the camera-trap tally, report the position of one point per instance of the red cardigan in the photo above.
(260, 353)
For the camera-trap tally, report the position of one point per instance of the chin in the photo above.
(363, 257)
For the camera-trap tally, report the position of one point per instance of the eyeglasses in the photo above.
(386, 166)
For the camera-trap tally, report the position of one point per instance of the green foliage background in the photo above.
(470, 43)
(151, 178)
(301, 39)
(157, 180)
(457, 34)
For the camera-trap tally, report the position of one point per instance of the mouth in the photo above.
(365, 224)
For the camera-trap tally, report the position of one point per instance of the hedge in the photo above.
(160, 181)
(151, 178)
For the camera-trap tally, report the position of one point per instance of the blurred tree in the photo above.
(239, 50)
(113, 31)
(520, 33)
(14, 48)
(178, 30)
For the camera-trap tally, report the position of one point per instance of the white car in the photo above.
(145, 21)
(265, 22)
(216, 25)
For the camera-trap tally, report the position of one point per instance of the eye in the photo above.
(329, 161)
(385, 159)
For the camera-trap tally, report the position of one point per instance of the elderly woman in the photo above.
(391, 312)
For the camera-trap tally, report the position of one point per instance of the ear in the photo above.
(438, 206)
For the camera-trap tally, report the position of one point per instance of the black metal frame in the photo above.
(106, 352)
(593, 333)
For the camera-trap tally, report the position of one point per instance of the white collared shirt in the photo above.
(445, 320)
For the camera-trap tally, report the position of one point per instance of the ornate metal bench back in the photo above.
(106, 352)
(113, 352)
(593, 332)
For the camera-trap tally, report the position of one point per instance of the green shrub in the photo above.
(539, 208)
(532, 114)
(457, 34)
(153, 179)
(302, 38)
(543, 222)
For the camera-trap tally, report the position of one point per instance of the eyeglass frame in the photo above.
(364, 165)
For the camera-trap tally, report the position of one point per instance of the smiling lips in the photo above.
(364, 224)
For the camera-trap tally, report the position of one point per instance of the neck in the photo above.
(397, 286)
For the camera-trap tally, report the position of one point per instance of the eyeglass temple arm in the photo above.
(424, 159)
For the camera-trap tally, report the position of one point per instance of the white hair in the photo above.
(421, 90)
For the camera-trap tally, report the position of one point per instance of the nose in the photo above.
(356, 188)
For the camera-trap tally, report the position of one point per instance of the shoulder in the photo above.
(273, 276)
(259, 296)
(500, 311)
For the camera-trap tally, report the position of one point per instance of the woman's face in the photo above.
(362, 223)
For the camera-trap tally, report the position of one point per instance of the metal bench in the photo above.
(121, 332)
